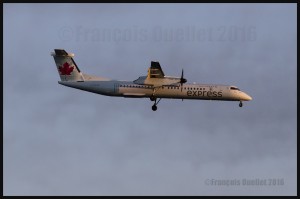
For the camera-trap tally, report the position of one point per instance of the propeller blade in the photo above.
(182, 80)
(182, 74)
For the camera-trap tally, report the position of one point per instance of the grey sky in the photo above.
(62, 141)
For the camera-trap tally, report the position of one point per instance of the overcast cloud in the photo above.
(63, 141)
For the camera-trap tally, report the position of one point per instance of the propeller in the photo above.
(182, 80)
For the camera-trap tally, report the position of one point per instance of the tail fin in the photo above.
(66, 66)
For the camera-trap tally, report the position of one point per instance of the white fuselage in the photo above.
(155, 85)
(187, 91)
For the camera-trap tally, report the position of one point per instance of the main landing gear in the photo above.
(152, 98)
(154, 107)
(241, 104)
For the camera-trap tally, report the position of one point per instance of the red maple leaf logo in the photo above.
(65, 69)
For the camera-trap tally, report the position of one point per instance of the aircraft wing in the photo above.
(157, 78)
(155, 70)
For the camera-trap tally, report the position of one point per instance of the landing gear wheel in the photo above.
(152, 98)
(154, 108)
(241, 104)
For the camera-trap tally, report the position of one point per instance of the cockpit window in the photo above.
(234, 88)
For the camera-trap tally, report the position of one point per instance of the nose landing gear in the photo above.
(241, 104)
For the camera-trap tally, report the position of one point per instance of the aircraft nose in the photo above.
(246, 97)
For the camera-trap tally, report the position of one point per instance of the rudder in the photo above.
(66, 66)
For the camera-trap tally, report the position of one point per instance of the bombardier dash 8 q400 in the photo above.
(154, 86)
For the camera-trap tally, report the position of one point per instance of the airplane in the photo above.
(155, 86)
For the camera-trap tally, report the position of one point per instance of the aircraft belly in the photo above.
(135, 92)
